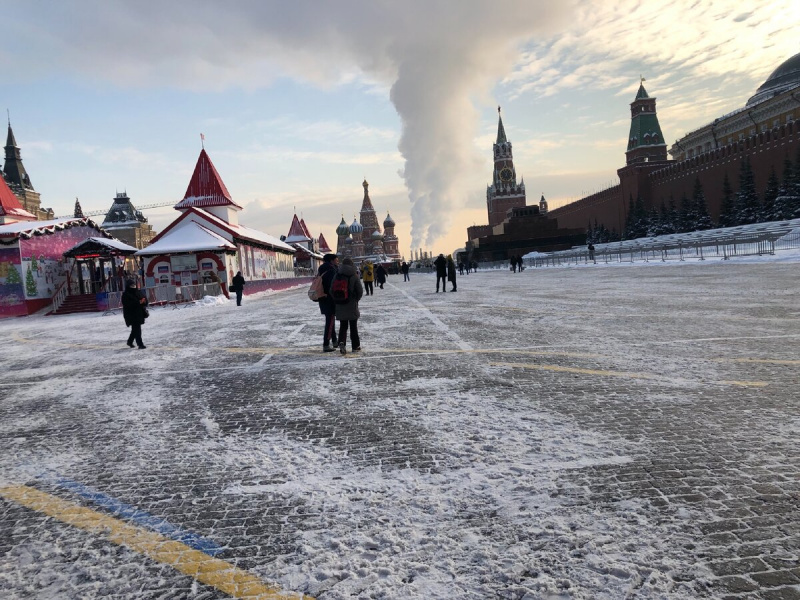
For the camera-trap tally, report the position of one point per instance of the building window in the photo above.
(776, 123)
(753, 131)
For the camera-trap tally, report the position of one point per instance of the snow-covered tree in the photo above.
(653, 222)
(769, 210)
(702, 220)
(630, 218)
(727, 213)
(748, 206)
(685, 218)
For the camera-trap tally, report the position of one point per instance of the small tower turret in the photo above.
(645, 140)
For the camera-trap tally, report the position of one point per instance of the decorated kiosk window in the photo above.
(183, 262)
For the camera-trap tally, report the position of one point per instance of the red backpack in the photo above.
(340, 289)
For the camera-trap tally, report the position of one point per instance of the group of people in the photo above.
(371, 275)
(445, 271)
(516, 263)
(343, 291)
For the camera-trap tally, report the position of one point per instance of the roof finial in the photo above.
(9, 117)
(642, 78)
(498, 110)
(202, 141)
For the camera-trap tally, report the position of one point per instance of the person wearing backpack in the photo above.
(347, 290)
(327, 271)
(368, 274)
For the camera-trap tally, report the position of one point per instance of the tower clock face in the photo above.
(506, 174)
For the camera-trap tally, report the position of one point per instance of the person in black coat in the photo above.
(404, 269)
(451, 273)
(380, 275)
(237, 285)
(134, 310)
(441, 272)
(327, 270)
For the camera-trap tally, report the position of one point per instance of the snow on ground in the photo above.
(558, 433)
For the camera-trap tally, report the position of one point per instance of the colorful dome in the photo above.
(342, 229)
(348, 240)
(356, 227)
(377, 235)
(388, 221)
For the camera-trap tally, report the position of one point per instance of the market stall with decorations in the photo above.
(32, 264)
(206, 243)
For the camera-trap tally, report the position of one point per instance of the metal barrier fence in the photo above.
(167, 295)
(746, 240)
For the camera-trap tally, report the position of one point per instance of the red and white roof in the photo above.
(323, 245)
(297, 232)
(176, 235)
(191, 237)
(10, 206)
(206, 187)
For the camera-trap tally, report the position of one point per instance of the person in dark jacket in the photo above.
(327, 270)
(451, 273)
(237, 285)
(347, 314)
(441, 272)
(404, 269)
(134, 311)
(380, 276)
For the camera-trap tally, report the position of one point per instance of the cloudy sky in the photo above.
(300, 101)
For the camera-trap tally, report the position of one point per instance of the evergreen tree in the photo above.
(629, 220)
(13, 275)
(783, 202)
(747, 204)
(769, 210)
(665, 220)
(653, 222)
(590, 234)
(702, 220)
(685, 220)
(30, 284)
(727, 213)
(613, 236)
(673, 221)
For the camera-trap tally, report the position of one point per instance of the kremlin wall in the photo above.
(764, 131)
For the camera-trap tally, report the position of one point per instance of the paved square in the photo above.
(620, 432)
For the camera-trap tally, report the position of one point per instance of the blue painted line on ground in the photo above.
(140, 517)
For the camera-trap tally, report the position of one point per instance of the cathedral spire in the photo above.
(501, 131)
(367, 203)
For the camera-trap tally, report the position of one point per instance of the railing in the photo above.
(167, 295)
(746, 240)
(60, 295)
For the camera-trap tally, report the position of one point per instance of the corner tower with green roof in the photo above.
(645, 141)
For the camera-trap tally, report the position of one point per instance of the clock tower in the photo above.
(504, 193)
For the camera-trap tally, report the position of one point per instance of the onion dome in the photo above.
(348, 240)
(388, 221)
(342, 229)
(377, 235)
(356, 227)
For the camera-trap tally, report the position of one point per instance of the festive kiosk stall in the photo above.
(32, 266)
(206, 243)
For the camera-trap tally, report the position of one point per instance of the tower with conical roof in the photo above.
(504, 193)
(18, 180)
(367, 215)
(645, 141)
(207, 191)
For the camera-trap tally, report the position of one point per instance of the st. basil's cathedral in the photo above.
(362, 239)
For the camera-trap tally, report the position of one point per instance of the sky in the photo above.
(300, 102)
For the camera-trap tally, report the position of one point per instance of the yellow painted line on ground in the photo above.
(627, 374)
(222, 575)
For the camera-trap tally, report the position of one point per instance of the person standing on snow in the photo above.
(327, 270)
(134, 311)
(441, 272)
(404, 269)
(237, 285)
(451, 273)
(380, 276)
(347, 312)
(368, 275)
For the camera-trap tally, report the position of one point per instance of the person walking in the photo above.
(441, 272)
(237, 285)
(347, 311)
(404, 269)
(380, 274)
(368, 275)
(134, 311)
(590, 248)
(327, 270)
(451, 273)
(461, 267)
